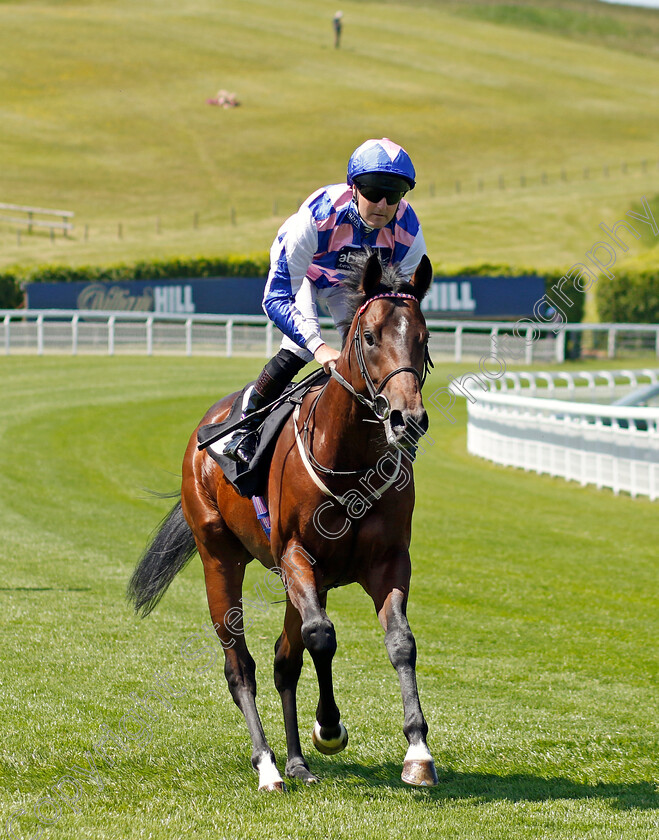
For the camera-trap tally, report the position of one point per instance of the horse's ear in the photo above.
(372, 275)
(422, 278)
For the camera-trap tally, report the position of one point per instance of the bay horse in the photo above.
(369, 413)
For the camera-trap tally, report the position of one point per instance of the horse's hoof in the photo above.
(419, 772)
(332, 745)
(274, 786)
(301, 772)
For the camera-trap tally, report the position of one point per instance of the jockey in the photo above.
(310, 257)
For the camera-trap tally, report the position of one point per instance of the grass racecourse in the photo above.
(534, 601)
(534, 604)
(530, 122)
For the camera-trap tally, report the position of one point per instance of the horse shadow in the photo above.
(489, 787)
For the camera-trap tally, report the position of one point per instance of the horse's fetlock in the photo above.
(416, 728)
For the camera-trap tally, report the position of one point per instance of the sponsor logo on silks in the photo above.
(355, 219)
(345, 256)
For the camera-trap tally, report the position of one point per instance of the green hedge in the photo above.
(11, 295)
(632, 296)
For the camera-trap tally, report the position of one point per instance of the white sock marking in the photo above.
(418, 752)
(268, 773)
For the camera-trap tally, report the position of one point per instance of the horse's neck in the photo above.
(343, 438)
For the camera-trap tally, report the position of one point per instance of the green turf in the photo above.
(102, 111)
(533, 602)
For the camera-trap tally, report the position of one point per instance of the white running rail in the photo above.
(605, 445)
(92, 331)
(580, 385)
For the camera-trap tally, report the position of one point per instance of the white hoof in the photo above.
(329, 746)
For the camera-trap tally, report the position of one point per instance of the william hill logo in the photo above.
(163, 300)
(449, 296)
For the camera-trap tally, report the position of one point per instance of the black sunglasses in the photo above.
(376, 194)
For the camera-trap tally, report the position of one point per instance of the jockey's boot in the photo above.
(244, 442)
(271, 384)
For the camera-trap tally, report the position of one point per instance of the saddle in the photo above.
(252, 480)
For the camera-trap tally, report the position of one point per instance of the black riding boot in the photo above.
(245, 440)
(271, 384)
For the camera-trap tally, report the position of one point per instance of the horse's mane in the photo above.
(392, 281)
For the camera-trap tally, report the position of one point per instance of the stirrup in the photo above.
(242, 446)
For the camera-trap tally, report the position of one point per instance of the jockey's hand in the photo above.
(325, 355)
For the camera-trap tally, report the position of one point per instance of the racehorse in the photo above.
(358, 434)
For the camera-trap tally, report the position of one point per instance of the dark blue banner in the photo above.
(214, 295)
(483, 297)
(449, 297)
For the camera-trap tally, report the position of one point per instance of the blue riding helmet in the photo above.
(383, 156)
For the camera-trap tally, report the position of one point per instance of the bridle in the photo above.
(377, 401)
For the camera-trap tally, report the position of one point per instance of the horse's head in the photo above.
(385, 351)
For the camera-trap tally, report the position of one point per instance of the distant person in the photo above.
(338, 23)
(310, 257)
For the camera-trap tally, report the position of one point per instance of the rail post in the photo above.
(149, 336)
(458, 343)
(74, 334)
(560, 347)
(229, 350)
(111, 322)
(188, 337)
(40, 334)
(611, 343)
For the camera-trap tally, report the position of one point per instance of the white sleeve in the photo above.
(412, 258)
(290, 258)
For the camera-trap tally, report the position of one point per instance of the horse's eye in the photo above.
(368, 338)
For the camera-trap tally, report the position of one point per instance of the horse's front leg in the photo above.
(318, 636)
(388, 586)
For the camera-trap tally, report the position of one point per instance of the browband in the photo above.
(386, 295)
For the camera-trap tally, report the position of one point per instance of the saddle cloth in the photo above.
(249, 480)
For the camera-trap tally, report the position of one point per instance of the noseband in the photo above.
(377, 401)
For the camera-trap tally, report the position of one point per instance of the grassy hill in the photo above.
(530, 123)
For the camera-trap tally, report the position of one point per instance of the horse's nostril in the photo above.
(396, 419)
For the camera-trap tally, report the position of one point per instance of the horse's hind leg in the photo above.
(288, 665)
(224, 569)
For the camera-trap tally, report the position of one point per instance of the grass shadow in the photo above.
(489, 787)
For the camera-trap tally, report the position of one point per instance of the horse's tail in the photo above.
(168, 552)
